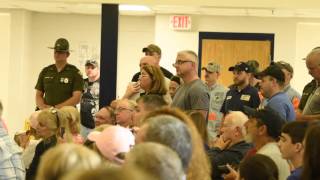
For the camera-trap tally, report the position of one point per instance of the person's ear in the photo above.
(262, 130)
(298, 147)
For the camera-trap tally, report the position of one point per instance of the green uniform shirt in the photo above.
(59, 86)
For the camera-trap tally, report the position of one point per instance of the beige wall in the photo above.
(26, 36)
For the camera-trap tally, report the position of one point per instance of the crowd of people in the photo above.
(168, 127)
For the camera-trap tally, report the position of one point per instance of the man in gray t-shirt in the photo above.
(193, 94)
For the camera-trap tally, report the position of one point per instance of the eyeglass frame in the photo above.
(180, 62)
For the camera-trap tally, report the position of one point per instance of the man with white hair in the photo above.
(230, 147)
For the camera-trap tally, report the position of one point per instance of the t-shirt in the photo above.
(235, 99)
(89, 103)
(217, 95)
(192, 96)
(280, 103)
(307, 90)
(272, 151)
(312, 106)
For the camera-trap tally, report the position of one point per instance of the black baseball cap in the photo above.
(268, 117)
(273, 71)
(241, 66)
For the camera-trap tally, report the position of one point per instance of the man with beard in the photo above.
(217, 95)
(242, 93)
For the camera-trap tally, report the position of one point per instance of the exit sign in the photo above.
(180, 22)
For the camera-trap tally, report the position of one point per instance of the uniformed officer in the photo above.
(59, 84)
(242, 93)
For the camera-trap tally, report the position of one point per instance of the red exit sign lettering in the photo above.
(179, 22)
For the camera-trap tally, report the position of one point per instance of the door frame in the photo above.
(235, 36)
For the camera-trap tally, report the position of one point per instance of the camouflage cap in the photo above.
(152, 48)
(212, 67)
(92, 62)
(61, 45)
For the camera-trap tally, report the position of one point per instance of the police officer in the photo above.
(59, 84)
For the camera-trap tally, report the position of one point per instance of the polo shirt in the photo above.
(280, 103)
(235, 99)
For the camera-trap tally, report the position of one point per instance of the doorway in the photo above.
(227, 49)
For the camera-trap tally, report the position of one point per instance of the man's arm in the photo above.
(72, 101)
(301, 117)
(40, 100)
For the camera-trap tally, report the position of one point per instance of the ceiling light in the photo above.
(124, 7)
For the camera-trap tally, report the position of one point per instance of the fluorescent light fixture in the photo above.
(124, 7)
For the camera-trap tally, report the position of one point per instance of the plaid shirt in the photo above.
(11, 166)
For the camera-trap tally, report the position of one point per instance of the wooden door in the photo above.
(228, 52)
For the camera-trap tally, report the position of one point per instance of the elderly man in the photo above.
(217, 95)
(59, 84)
(193, 94)
(124, 113)
(272, 81)
(263, 130)
(310, 98)
(155, 52)
(242, 93)
(230, 148)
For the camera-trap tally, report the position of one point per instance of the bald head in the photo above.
(313, 64)
(148, 60)
(236, 119)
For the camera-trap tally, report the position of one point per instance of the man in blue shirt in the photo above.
(241, 93)
(272, 81)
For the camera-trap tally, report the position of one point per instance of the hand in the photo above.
(221, 144)
(132, 89)
(233, 174)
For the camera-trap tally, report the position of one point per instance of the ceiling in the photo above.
(265, 8)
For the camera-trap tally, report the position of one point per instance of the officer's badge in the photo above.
(66, 80)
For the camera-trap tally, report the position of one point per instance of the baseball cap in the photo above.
(254, 65)
(268, 117)
(273, 71)
(152, 48)
(92, 62)
(112, 141)
(61, 45)
(241, 66)
(212, 67)
(285, 65)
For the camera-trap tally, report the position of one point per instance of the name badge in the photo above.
(245, 97)
(229, 97)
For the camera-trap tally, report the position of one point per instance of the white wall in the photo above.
(25, 37)
(5, 19)
(294, 37)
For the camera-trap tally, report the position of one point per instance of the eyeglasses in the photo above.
(179, 62)
(120, 109)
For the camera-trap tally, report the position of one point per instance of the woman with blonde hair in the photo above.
(73, 124)
(65, 158)
(199, 166)
(52, 124)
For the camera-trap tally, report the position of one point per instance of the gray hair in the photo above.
(158, 160)
(170, 131)
(238, 119)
